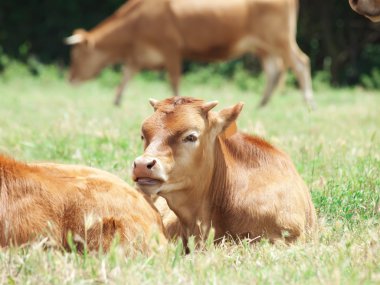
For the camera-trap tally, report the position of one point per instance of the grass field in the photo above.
(336, 149)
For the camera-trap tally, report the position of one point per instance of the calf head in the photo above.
(179, 140)
(86, 60)
(368, 8)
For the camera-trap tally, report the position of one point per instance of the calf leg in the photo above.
(128, 73)
(300, 64)
(274, 70)
(174, 66)
(282, 82)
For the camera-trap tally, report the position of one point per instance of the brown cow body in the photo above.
(368, 8)
(240, 186)
(51, 200)
(146, 34)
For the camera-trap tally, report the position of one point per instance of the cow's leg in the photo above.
(174, 66)
(128, 73)
(300, 64)
(282, 81)
(274, 70)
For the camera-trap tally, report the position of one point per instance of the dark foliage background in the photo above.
(338, 41)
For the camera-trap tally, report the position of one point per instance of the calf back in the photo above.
(55, 200)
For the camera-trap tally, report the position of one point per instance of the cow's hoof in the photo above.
(261, 105)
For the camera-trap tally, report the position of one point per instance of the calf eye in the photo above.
(142, 137)
(191, 138)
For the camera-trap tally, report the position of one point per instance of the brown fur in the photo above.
(172, 224)
(368, 8)
(146, 34)
(53, 200)
(241, 185)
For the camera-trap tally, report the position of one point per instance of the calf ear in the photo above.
(228, 116)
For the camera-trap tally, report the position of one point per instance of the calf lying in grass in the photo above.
(53, 200)
(238, 184)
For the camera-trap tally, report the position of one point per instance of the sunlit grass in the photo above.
(336, 149)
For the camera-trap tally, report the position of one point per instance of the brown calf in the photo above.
(146, 34)
(51, 200)
(238, 184)
(368, 8)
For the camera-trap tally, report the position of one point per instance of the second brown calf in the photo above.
(55, 201)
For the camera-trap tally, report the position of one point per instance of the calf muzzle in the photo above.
(146, 172)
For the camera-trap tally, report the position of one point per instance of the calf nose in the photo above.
(144, 163)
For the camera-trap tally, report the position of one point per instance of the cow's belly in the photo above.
(149, 57)
(249, 44)
(239, 47)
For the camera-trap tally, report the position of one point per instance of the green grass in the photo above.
(336, 149)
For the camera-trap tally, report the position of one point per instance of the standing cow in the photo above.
(147, 34)
(238, 184)
(368, 8)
